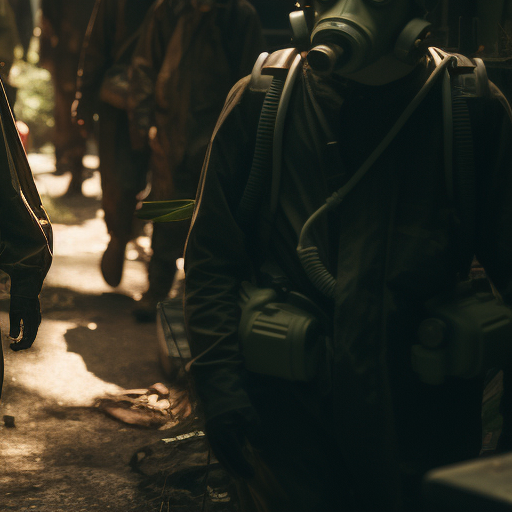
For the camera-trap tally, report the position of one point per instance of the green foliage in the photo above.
(167, 211)
(34, 102)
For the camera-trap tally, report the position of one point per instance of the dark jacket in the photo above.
(110, 39)
(25, 230)
(391, 244)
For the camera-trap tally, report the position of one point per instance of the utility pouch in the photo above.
(284, 339)
(465, 333)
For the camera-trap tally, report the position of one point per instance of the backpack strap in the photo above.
(274, 75)
(464, 81)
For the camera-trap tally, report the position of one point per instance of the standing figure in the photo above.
(24, 21)
(9, 39)
(25, 236)
(63, 28)
(308, 275)
(190, 54)
(111, 38)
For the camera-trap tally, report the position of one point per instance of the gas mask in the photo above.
(350, 35)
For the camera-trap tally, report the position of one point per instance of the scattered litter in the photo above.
(160, 389)
(197, 433)
(182, 474)
(218, 497)
(154, 407)
(9, 422)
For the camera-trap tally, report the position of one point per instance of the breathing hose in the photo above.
(308, 253)
(278, 133)
(466, 178)
(253, 192)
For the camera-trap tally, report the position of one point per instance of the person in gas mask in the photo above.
(361, 433)
(190, 54)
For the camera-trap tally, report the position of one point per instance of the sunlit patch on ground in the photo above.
(90, 238)
(53, 373)
(25, 454)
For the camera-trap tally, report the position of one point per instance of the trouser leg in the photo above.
(123, 172)
(69, 142)
(168, 243)
(298, 465)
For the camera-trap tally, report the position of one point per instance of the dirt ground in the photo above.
(57, 452)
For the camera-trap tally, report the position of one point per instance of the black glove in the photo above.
(27, 312)
(228, 434)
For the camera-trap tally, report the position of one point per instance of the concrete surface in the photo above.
(63, 454)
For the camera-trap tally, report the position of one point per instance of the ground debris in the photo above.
(154, 407)
(180, 473)
(9, 422)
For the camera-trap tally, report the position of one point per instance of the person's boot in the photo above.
(112, 262)
(75, 186)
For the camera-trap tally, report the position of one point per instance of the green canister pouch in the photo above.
(465, 334)
(281, 338)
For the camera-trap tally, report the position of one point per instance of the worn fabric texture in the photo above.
(110, 40)
(182, 70)
(392, 244)
(25, 231)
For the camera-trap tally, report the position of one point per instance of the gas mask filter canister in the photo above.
(349, 35)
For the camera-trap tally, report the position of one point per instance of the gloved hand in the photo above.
(25, 317)
(228, 434)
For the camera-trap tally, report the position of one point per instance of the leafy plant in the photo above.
(167, 211)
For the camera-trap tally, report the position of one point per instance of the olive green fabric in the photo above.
(391, 244)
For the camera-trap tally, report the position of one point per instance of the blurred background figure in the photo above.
(9, 40)
(24, 17)
(190, 54)
(112, 35)
(63, 28)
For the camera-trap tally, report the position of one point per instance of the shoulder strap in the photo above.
(465, 80)
(274, 74)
